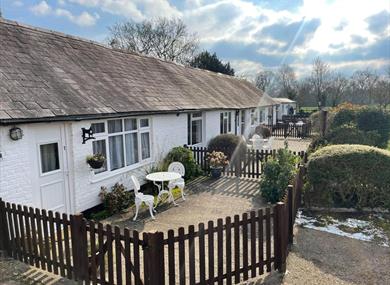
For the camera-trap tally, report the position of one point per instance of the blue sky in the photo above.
(252, 35)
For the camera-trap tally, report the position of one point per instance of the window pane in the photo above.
(99, 147)
(114, 126)
(145, 145)
(196, 131)
(115, 144)
(144, 123)
(221, 123)
(130, 124)
(131, 148)
(230, 121)
(197, 115)
(98, 128)
(49, 157)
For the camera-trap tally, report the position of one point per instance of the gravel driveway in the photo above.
(325, 259)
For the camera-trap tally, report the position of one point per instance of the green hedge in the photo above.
(227, 143)
(186, 157)
(364, 125)
(349, 176)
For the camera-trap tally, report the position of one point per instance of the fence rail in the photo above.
(229, 251)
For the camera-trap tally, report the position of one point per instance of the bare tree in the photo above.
(164, 38)
(263, 79)
(338, 85)
(363, 84)
(286, 82)
(319, 80)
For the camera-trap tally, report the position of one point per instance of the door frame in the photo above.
(63, 160)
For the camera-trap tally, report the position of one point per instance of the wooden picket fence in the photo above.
(291, 130)
(249, 164)
(229, 251)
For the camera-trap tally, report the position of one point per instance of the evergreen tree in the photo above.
(208, 61)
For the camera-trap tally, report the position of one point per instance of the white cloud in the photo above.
(85, 19)
(41, 9)
(18, 3)
(136, 10)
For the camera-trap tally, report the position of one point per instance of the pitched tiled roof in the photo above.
(48, 75)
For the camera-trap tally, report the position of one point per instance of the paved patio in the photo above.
(206, 199)
(294, 144)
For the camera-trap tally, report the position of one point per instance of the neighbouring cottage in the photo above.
(52, 86)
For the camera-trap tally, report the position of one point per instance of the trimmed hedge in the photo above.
(186, 157)
(227, 143)
(352, 176)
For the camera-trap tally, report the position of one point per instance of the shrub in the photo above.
(349, 176)
(263, 131)
(227, 143)
(185, 156)
(350, 134)
(117, 199)
(375, 120)
(278, 172)
(343, 117)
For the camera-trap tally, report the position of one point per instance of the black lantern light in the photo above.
(87, 134)
(15, 133)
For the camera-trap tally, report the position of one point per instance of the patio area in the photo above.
(206, 199)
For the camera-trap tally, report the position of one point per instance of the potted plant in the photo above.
(217, 160)
(96, 161)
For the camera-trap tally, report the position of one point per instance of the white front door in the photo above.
(51, 158)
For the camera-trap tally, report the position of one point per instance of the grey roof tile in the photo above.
(44, 74)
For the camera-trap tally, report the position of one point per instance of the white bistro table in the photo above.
(161, 177)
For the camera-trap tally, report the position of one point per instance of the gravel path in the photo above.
(325, 259)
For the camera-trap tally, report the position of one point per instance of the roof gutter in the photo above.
(11, 121)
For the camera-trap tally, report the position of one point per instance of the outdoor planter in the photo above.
(96, 161)
(216, 172)
(96, 164)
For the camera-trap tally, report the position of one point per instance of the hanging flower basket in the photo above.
(96, 161)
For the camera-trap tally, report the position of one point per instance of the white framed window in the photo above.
(242, 122)
(226, 122)
(262, 115)
(254, 117)
(124, 142)
(195, 128)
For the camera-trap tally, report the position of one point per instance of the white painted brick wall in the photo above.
(19, 173)
(16, 166)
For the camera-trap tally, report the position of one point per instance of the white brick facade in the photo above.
(19, 170)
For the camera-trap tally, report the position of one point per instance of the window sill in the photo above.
(95, 178)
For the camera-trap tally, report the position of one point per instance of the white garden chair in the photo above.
(268, 144)
(141, 198)
(180, 183)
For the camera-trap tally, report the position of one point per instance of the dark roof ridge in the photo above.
(73, 37)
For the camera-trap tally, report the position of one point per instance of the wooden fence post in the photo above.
(79, 247)
(290, 208)
(4, 238)
(280, 238)
(154, 258)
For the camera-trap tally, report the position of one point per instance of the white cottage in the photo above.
(284, 107)
(54, 87)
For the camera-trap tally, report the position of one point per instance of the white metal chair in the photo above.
(248, 146)
(180, 183)
(257, 144)
(141, 198)
(268, 144)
